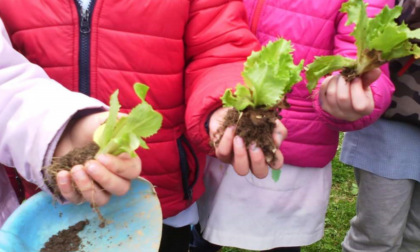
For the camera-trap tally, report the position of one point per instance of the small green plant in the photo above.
(269, 75)
(116, 136)
(126, 134)
(378, 40)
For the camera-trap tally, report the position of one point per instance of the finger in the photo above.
(124, 165)
(279, 162)
(279, 134)
(371, 102)
(325, 95)
(216, 120)
(360, 102)
(89, 190)
(370, 77)
(258, 164)
(66, 188)
(107, 179)
(323, 89)
(240, 159)
(343, 95)
(331, 93)
(224, 150)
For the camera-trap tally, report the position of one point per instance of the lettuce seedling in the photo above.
(116, 136)
(269, 75)
(127, 134)
(378, 40)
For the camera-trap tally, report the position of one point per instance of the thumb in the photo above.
(370, 77)
(280, 133)
(216, 120)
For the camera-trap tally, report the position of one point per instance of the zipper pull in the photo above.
(84, 25)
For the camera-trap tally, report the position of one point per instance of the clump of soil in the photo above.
(349, 74)
(78, 156)
(254, 126)
(65, 240)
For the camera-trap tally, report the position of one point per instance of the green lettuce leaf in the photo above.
(325, 65)
(127, 134)
(356, 12)
(378, 40)
(108, 128)
(268, 74)
(240, 100)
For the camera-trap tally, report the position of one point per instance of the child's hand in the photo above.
(232, 149)
(348, 101)
(97, 179)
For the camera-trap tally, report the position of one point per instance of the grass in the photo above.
(341, 209)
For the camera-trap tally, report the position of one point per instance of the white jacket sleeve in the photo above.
(34, 111)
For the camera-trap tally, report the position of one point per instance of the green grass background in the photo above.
(341, 209)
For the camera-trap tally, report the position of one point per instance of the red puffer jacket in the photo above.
(187, 51)
(23, 189)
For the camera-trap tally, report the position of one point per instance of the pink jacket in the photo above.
(316, 28)
(26, 95)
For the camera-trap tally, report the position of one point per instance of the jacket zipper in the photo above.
(84, 46)
(197, 167)
(21, 197)
(256, 17)
(185, 169)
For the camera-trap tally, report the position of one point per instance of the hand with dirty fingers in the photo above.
(348, 101)
(97, 179)
(231, 149)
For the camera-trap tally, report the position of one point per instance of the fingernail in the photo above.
(232, 128)
(238, 141)
(254, 147)
(279, 137)
(79, 175)
(63, 180)
(102, 158)
(91, 168)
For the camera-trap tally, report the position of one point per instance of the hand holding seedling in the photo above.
(232, 149)
(270, 74)
(247, 133)
(378, 41)
(96, 156)
(105, 176)
(348, 101)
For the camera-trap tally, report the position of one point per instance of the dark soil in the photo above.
(65, 240)
(78, 156)
(349, 74)
(254, 126)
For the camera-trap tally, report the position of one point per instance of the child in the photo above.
(387, 163)
(26, 95)
(260, 214)
(188, 52)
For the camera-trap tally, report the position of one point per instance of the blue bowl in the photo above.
(134, 223)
